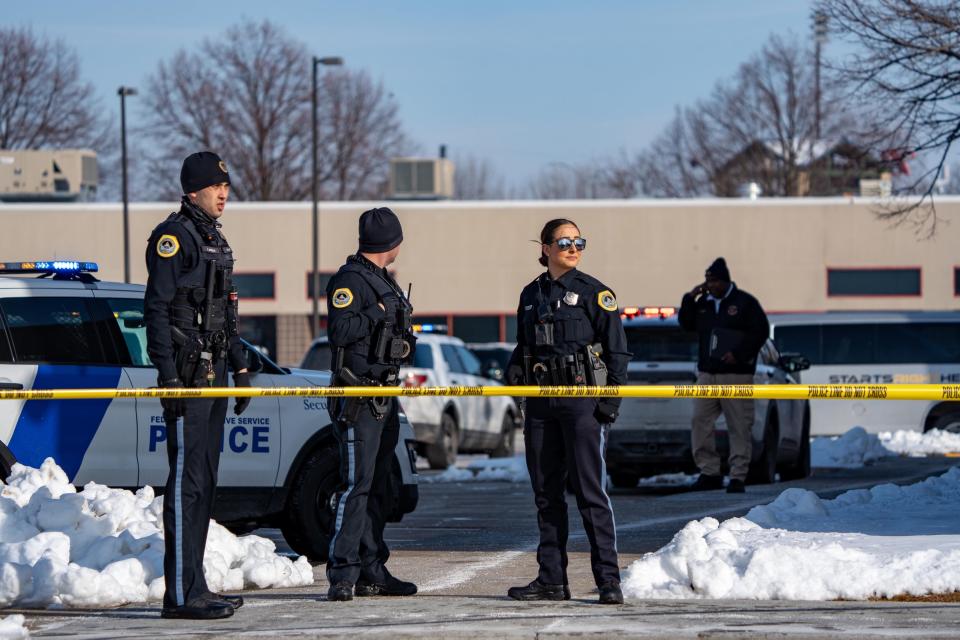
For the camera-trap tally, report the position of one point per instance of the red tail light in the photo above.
(414, 380)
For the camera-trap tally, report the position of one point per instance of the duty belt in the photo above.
(559, 370)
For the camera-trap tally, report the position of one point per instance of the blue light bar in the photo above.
(49, 266)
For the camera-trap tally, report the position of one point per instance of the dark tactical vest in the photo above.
(391, 344)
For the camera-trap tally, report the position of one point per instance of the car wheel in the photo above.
(764, 470)
(507, 446)
(624, 480)
(443, 453)
(308, 521)
(948, 422)
(801, 468)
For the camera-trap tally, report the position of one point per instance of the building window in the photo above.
(956, 281)
(873, 282)
(324, 281)
(477, 328)
(255, 285)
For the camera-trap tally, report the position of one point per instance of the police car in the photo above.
(652, 435)
(65, 329)
(445, 426)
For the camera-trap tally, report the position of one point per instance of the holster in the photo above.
(194, 356)
(350, 408)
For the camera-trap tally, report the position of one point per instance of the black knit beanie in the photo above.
(718, 271)
(380, 230)
(201, 170)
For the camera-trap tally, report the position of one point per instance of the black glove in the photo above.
(171, 405)
(241, 380)
(606, 411)
(515, 375)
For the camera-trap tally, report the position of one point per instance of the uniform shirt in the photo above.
(737, 310)
(172, 253)
(584, 312)
(354, 314)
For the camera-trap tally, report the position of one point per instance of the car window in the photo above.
(128, 312)
(5, 354)
(470, 362)
(661, 344)
(801, 339)
(318, 357)
(876, 343)
(59, 331)
(449, 352)
(423, 357)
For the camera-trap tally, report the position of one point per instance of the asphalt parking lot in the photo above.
(468, 542)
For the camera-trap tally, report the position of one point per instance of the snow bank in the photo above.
(11, 628)
(916, 444)
(853, 449)
(103, 547)
(485, 470)
(669, 480)
(885, 541)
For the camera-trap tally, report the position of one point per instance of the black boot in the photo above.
(707, 483)
(340, 592)
(234, 601)
(610, 593)
(536, 590)
(199, 609)
(735, 486)
(391, 587)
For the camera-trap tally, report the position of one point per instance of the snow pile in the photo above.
(485, 470)
(669, 480)
(885, 541)
(853, 449)
(916, 444)
(103, 547)
(11, 628)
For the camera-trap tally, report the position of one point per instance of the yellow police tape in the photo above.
(757, 392)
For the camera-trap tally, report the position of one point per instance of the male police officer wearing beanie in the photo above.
(732, 327)
(568, 329)
(370, 338)
(190, 309)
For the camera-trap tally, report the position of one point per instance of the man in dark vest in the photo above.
(371, 337)
(732, 328)
(190, 309)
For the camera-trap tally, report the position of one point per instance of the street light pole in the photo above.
(314, 187)
(123, 92)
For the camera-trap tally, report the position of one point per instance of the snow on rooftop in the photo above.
(103, 547)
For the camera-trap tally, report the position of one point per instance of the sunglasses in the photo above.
(565, 243)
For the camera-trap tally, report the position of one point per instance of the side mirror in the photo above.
(794, 362)
(254, 361)
(493, 371)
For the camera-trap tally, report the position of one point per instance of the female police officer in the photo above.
(566, 319)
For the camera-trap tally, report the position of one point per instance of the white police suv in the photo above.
(65, 329)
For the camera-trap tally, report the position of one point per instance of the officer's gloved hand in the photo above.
(514, 375)
(606, 411)
(241, 380)
(171, 405)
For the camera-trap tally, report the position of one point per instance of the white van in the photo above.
(867, 347)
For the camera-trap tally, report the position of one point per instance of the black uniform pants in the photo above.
(193, 450)
(564, 440)
(357, 549)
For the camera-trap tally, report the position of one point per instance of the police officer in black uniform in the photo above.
(371, 337)
(190, 309)
(569, 333)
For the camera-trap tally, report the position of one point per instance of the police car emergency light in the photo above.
(52, 267)
(648, 312)
(430, 328)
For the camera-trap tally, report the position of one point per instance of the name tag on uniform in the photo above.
(571, 298)
(207, 249)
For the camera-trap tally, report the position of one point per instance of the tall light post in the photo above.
(314, 186)
(819, 38)
(123, 92)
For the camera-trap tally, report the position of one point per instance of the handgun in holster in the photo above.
(192, 362)
(596, 368)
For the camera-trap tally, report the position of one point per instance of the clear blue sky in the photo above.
(521, 84)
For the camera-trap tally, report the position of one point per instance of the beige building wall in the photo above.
(468, 258)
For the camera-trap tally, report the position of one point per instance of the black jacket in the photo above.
(584, 312)
(738, 311)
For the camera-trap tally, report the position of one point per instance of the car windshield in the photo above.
(661, 344)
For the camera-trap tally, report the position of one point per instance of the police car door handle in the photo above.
(10, 386)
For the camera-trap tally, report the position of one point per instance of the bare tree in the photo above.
(43, 100)
(759, 126)
(247, 96)
(588, 180)
(476, 179)
(906, 67)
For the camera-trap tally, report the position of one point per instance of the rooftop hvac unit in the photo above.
(421, 179)
(872, 188)
(60, 175)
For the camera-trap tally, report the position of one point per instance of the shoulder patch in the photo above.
(607, 300)
(167, 246)
(341, 298)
